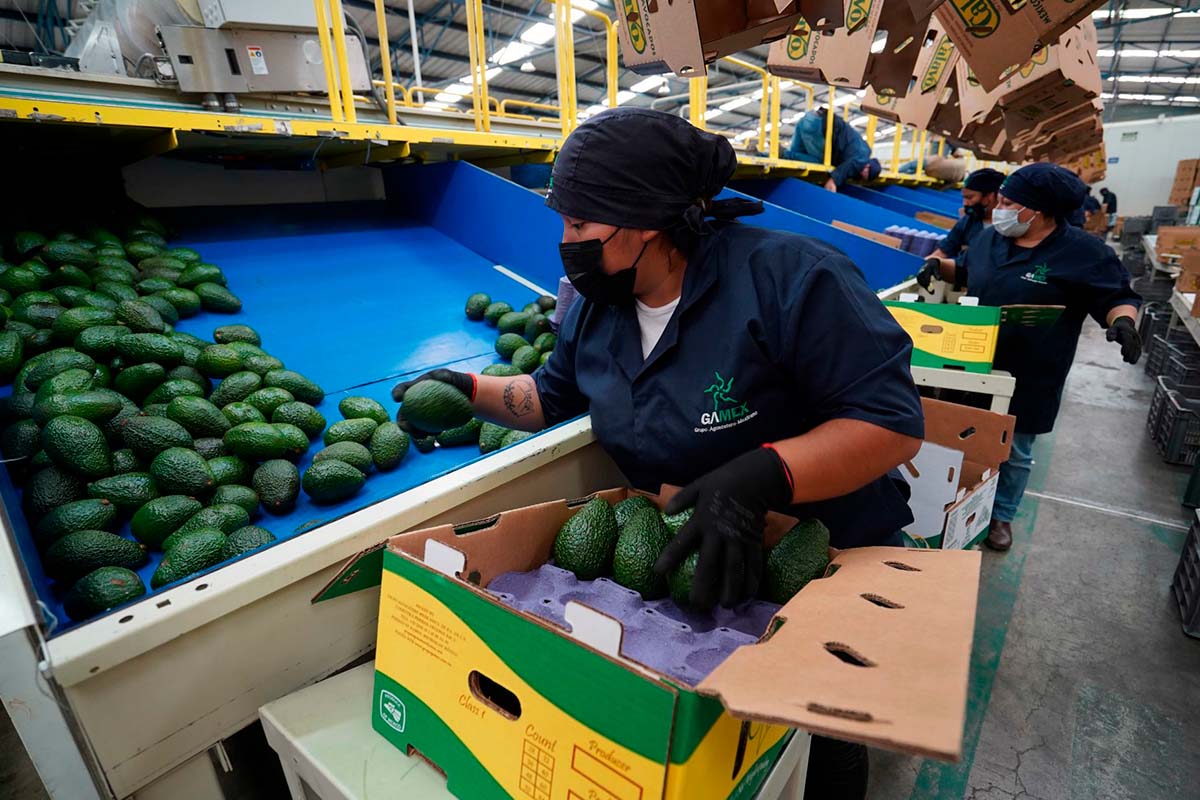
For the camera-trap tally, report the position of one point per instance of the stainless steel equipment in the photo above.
(246, 60)
(264, 14)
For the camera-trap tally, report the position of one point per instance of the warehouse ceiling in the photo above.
(1149, 56)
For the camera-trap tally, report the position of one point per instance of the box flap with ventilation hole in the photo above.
(953, 474)
(879, 653)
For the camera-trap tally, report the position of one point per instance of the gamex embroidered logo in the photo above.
(1038, 274)
(727, 410)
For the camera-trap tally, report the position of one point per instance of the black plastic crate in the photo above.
(1177, 433)
(1134, 262)
(1154, 291)
(1135, 226)
(1176, 343)
(1183, 369)
(1163, 387)
(1154, 320)
(1186, 583)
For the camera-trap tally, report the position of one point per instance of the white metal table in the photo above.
(1181, 304)
(328, 750)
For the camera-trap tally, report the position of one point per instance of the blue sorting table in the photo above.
(935, 200)
(889, 201)
(815, 201)
(355, 298)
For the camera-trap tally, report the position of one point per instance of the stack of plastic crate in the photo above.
(1186, 584)
(1174, 421)
(1163, 347)
(1154, 320)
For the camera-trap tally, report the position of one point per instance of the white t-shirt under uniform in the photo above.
(652, 322)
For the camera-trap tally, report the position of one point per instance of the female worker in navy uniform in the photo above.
(1032, 256)
(754, 368)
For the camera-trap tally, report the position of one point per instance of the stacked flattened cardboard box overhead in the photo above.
(683, 37)
(996, 36)
(845, 57)
(512, 703)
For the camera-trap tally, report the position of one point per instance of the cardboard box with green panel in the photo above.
(510, 704)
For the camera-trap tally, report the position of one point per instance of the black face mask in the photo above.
(974, 211)
(583, 263)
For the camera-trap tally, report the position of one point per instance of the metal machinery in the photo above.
(213, 47)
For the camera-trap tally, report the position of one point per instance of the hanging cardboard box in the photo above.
(1069, 118)
(1067, 77)
(995, 37)
(927, 84)
(947, 116)
(843, 57)
(683, 37)
(953, 477)
(555, 705)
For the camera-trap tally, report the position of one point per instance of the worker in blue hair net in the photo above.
(1032, 256)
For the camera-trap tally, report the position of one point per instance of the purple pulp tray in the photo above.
(683, 644)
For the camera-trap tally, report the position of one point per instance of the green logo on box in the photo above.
(981, 16)
(937, 65)
(856, 14)
(797, 43)
(633, 22)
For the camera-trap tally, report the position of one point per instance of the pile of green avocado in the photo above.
(624, 541)
(116, 416)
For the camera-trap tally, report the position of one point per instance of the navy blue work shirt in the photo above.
(850, 152)
(774, 334)
(960, 235)
(1068, 268)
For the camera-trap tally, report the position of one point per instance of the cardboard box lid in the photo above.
(982, 436)
(995, 37)
(679, 51)
(890, 68)
(821, 15)
(851, 636)
(928, 82)
(934, 475)
(840, 57)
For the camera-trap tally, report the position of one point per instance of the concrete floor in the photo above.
(1082, 684)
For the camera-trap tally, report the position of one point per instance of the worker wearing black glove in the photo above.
(930, 270)
(1123, 331)
(465, 382)
(731, 505)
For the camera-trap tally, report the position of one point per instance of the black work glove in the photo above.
(463, 381)
(931, 269)
(1122, 330)
(731, 505)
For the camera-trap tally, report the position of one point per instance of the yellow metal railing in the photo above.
(484, 108)
(764, 101)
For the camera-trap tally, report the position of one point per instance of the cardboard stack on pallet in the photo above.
(1187, 178)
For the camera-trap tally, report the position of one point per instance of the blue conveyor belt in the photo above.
(355, 305)
(351, 307)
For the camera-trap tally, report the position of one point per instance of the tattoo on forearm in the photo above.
(518, 397)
